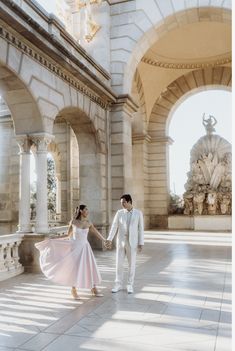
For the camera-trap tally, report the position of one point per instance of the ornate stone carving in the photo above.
(187, 65)
(24, 143)
(209, 180)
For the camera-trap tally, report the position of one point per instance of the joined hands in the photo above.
(108, 244)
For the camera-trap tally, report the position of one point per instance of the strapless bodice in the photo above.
(80, 233)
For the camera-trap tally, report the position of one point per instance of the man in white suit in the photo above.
(128, 224)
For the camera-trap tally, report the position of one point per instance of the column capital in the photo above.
(41, 141)
(24, 142)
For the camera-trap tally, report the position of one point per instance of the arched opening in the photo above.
(23, 108)
(53, 189)
(188, 114)
(82, 165)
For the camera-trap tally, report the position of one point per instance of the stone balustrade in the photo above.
(9, 256)
(58, 231)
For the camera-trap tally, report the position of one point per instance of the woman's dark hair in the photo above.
(127, 197)
(77, 211)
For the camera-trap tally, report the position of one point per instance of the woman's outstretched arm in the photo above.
(97, 234)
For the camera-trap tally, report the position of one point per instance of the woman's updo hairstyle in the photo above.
(77, 212)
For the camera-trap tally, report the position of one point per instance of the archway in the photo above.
(23, 107)
(158, 149)
(188, 114)
(82, 165)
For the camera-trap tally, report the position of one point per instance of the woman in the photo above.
(71, 262)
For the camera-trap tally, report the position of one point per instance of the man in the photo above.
(128, 224)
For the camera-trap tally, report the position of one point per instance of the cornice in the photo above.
(52, 66)
(187, 65)
(141, 137)
(162, 139)
(127, 102)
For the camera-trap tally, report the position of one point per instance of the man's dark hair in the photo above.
(127, 197)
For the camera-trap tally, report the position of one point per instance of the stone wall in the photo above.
(9, 177)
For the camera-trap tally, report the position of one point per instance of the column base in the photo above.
(26, 229)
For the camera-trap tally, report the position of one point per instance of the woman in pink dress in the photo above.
(72, 262)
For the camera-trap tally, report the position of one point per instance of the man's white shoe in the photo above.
(116, 288)
(129, 289)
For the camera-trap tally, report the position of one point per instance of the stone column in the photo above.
(121, 148)
(24, 192)
(58, 195)
(158, 175)
(41, 142)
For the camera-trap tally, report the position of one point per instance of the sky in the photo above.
(186, 128)
(48, 5)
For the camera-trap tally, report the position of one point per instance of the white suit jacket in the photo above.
(136, 228)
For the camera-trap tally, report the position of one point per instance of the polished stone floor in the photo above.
(182, 301)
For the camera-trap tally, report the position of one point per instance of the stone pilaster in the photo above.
(140, 173)
(41, 142)
(121, 148)
(24, 189)
(158, 171)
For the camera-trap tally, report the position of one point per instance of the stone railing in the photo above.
(58, 231)
(9, 256)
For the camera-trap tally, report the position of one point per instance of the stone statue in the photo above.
(212, 203)
(198, 201)
(188, 204)
(209, 124)
(210, 174)
(224, 203)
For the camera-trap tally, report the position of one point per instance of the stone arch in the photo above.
(158, 168)
(22, 105)
(169, 99)
(139, 123)
(150, 24)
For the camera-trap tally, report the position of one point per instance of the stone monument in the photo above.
(209, 184)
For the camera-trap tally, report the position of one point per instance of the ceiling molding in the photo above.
(187, 65)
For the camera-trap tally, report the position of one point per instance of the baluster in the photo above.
(15, 254)
(9, 260)
(2, 259)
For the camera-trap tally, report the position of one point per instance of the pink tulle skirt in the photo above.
(69, 262)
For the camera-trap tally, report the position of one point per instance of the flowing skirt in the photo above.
(69, 262)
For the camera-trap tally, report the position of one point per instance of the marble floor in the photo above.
(181, 302)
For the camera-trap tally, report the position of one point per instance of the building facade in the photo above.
(96, 87)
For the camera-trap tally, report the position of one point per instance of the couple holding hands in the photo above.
(72, 262)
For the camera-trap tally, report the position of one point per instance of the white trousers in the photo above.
(125, 250)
